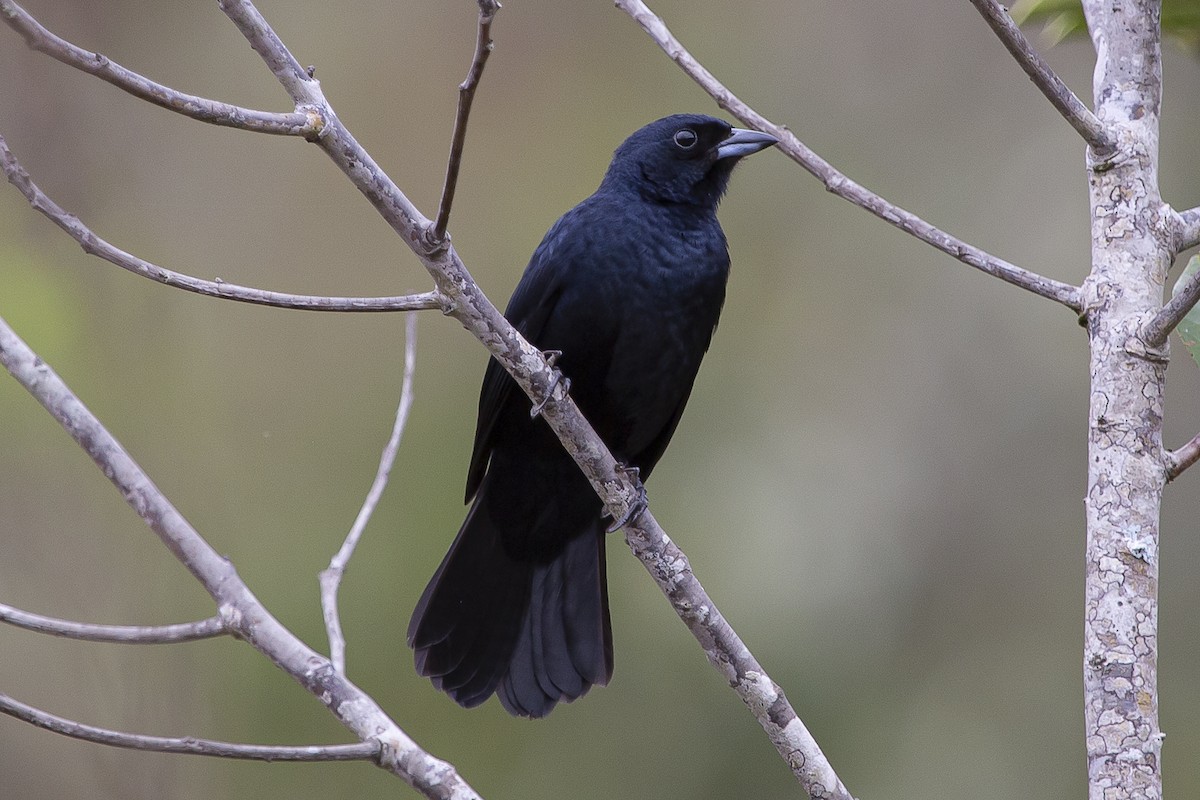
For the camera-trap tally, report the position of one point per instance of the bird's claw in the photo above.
(639, 504)
(556, 377)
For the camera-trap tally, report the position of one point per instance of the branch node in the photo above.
(317, 122)
(430, 243)
(1101, 160)
(1138, 348)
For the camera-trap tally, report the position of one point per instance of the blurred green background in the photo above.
(879, 478)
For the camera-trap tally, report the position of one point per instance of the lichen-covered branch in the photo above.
(1131, 252)
(838, 183)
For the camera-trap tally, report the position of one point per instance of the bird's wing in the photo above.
(530, 306)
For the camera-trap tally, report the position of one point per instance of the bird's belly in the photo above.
(653, 367)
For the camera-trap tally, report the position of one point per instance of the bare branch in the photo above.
(298, 123)
(241, 611)
(331, 577)
(1189, 237)
(466, 95)
(1073, 110)
(94, 245)
(838, 183)
(116, 634)
(188, 745)
(1179, 460)
(528, 367)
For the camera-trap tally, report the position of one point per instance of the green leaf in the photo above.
(1061, 19)
(1189, 328)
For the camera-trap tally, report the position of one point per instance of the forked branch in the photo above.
(237, 606)
(331, 576)
(838, 183)
(465, 302)
(528, 366)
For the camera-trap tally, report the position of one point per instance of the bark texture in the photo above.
(1131, 252)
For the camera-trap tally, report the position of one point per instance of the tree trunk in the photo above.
(1132, 249)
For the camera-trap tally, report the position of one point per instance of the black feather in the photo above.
(628, 285)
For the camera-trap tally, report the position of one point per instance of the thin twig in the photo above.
(838, 183)
(94, 245)
(297, 123)
(188, 745)
(1179, 460)
(1189, 235)
(1073, 110)
(533, 374)
(116, 634)
(241, 611)
(331, 577)
(466, 95)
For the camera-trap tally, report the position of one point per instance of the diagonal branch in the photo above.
(94, 245)
(1073, 110)
(331, 576)
(838, 183)
(466, 96)
(115, 634)
(297, 123)
(528, 366)
(239, 609)
(188, 745)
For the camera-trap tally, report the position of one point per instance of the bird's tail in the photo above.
(533, 632)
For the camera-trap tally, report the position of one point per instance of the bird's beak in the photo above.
(744, 142)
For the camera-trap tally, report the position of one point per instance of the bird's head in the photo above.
(685, 158)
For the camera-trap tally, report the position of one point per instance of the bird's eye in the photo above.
(686, 138)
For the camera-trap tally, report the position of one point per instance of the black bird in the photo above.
(628, 286)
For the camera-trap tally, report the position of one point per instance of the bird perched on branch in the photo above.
(626, 289)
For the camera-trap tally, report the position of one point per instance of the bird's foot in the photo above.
(640, 502)
(556, 377)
